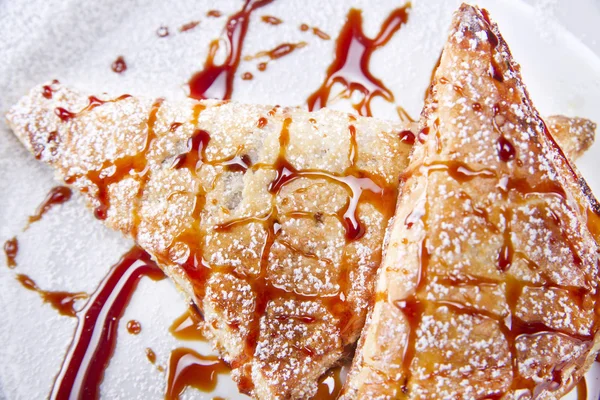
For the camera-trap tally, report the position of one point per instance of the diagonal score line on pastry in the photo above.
(270, 218)
(489, 283)
(256, 212)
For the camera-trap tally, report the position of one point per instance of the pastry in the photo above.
(489, 283)
(271, 219)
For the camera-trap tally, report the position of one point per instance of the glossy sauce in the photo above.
(63, 302)
(214, 13)
(47, 90)
(57, 195)
(150, 355)
(350, 66)
(247, 76)
(330, 385)
(119, 65)
(134, 327)
(94, 342)
(268, 19)
(582, 392)
(277, 52)
(316, 31)
(216, 81)
(188, 368)
(188, 326)
(11, 249)
(189, 26)
(407, 137)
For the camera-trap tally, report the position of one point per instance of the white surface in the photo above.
(76, 42)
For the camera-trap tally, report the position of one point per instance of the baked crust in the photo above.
(489, 283)
(271, 219)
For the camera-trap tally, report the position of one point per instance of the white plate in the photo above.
(76, 42)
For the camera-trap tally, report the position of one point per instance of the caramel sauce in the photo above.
(262, 122)
(63, 114)
(320, 34)
(11, 248)
(214, 13)
(162, 31)
(93, 102)
(189, 26)
(188, 326)
(196, 147)
(330, 385)
(247, 76)
(119, 65)
(63, 302)
(268, 19)
(361, 188)
(403, 115)
(134, 166)
(134, 327)
(350, 66)
(262, 66)
(277, 52)
(150, 355)
(57, 195)
(187, 368)
(407, 137)
(582, 391)
(316, 31)
(216, 81)
(95, 337)
(47, 90)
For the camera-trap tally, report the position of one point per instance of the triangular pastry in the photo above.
(271, 219)
(489, 284)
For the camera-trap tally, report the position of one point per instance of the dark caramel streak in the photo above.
(188, 368)
(350, 66)
(57, 195)
(216, 80)
(11, 248)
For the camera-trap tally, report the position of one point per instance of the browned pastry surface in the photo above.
(271, 219)
(489, 283)
(574, 135)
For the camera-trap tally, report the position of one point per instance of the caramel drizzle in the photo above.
(216, 81)
(135, 166)
(63, 302)
(93, 102)
(277, 52)
(57, 195)
(350, 66)
(11, 249)
(511, 326)
(361, 187)
(269, 19)
(188, 326)
(189, 368)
